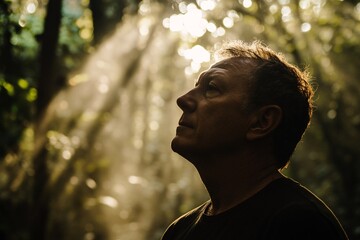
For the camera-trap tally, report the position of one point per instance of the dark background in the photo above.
(87, 96)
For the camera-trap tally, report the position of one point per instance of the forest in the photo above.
(88, 94)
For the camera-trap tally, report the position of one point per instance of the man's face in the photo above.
(214, 120)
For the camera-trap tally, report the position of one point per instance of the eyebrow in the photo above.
(210, 72)
(200, 77)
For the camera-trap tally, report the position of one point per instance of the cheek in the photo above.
(222, 124)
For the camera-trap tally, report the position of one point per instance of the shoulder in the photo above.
(288, 194)
(184, 223)
(298, 221)
(300, 214)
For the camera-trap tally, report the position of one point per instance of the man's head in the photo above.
(274, 81)
(251, 94)
(214, 121)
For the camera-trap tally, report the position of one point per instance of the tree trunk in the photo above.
(102, 23)
(46, 89)
(49, 41)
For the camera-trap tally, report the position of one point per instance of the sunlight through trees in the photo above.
(88, 109)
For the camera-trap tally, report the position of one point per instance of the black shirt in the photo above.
(282, 210)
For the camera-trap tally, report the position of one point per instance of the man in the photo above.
(240, 125)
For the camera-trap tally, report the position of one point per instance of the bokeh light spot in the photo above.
(197, 54)
(206, 5)
(228, 22)
(273, 8)
(304, 4)
(79, 78)
(305, 27)
(32, 95)
(332, 114)
(31, 8)
(23, 83)
(91, 183)
(66, 154)
(108, 201)
(211, 27)
(22, 22)
(74, 180)
(247, 3)
(192, 22)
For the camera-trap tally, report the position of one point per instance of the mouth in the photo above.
(185, 123)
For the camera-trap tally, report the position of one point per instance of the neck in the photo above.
(232, 181)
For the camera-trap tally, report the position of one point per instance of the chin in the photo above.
(184, 149)
(175, 145)
(179, 147)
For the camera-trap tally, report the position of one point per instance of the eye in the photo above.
(211, 90)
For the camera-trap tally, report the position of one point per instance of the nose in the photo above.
(186, 102)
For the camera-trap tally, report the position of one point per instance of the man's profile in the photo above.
(240, 125)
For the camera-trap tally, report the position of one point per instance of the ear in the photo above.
(264, 121)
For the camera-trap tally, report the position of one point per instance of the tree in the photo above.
(103, 166)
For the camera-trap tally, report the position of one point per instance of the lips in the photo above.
(185, 123)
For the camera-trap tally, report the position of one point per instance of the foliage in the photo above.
(17, 86)
(103, 142)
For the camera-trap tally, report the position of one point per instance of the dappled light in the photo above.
(121, 120)
(88, 156)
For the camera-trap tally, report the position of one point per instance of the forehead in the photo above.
(236, 64)
(231, 68)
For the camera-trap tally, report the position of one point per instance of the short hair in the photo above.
(273, 80)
